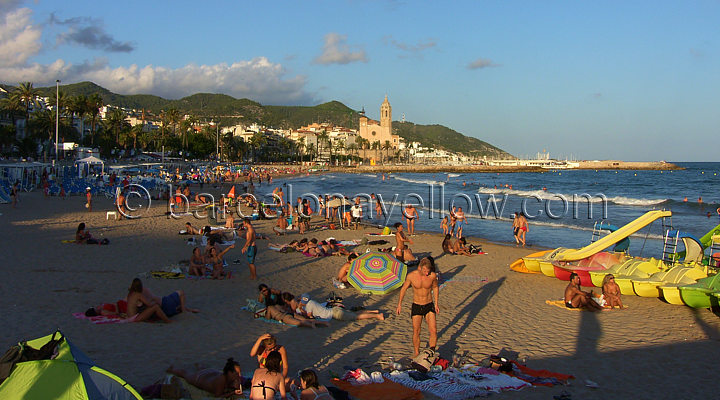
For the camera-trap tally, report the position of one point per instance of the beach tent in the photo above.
(88, 162)
(70, 375)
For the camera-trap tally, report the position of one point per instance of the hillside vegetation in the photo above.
(230, 109)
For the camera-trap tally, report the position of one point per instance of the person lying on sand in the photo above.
(611, 292)
(190, 230)
(172, 304)
(331, 247)
(225, 383)
(312, 309)
(576, 298)
(345, 268)
(284, 314)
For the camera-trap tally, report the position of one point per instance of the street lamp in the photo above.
(57, 116)
(217, 140)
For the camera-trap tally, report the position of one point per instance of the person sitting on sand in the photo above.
(229, 220)
(266, 344)
(312, 309)
(311, 388)
(611, 292)
(268, 296)
(83, 236)
(268, 380)
(197, 263)
(216, 260)
(459, 247)
(447, 244)
(576, 298)
(141, 308)
(402, 251)
(225, 383)
(342, 275)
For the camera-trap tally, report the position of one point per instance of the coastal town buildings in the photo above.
(381, 132)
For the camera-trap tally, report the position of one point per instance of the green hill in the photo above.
(210, 105)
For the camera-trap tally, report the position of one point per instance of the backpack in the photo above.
(425, 360)
(22, 352)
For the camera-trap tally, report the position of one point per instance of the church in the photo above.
(374, 131)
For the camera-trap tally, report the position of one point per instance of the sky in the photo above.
(637, 81)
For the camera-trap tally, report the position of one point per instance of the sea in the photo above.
(562, 206)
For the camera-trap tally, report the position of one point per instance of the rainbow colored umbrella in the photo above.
(376, 272)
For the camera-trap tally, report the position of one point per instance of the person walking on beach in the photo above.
(522, 226)
(411, 215)
(424, 282)
(250, 249)
(461, 220)
(516, 229)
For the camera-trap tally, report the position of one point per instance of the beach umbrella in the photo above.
(376, 273)
(70, 375)
(338, 202)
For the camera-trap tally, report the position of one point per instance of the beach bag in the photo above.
(425, 360)
(386, 230)
(334, 300)
(22, 352)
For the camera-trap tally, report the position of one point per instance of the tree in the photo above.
(94, 103)
(387, 147)
(135, 132)
(323, 140)
(26, 95)
(115, 122)
(78, 106)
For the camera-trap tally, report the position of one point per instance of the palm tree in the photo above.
(115, 122)
(311, 150)
(173, 118)
(322, 139)
(78, 106)
(258, 140)
(135, 132)
(387, 146)
(12, 106)
(300, 146)
(94, 102)
(44, 121)
(26, 95)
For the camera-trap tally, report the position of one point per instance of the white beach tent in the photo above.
(87, 162)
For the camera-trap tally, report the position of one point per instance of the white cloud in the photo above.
(410, 49)
(482, 63)
(19, 39)
(337, 51)
(257, 79)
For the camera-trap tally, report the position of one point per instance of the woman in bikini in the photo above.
(197, 263)
(219, 384)
(311, 389)
(216, 261)
(141, 308)
(268, 380)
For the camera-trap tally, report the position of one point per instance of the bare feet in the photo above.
(381, 317)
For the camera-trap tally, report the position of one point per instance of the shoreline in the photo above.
(584, 165)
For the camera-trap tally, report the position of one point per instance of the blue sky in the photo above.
(592, 80)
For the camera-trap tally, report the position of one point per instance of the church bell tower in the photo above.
(386, 114)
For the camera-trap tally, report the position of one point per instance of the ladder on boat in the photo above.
(670, 244)
(714, 251)
(598, 227)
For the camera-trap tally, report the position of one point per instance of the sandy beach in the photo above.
(652, 350)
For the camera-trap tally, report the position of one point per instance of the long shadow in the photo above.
(480, 298)
(588, 335)
(288, 268)
(711, 332)
(446, 276)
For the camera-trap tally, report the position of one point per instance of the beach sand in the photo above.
(652, 350)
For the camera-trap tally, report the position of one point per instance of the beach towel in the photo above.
(539, 377)
(167, 275)
(561, 304)
(378, 234)
(387, 390)
(104, 319)
(68, 241)
(464, 383)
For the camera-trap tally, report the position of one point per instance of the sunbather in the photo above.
(311, 388)
(312, 309)
(141, 308)
(343, 272)
(83, 236)
(215, 259)
(223, 383)
(284, 314)
(190, 230)
(459, 248)
(197, 263)
(268, 380)
(576, 298)
(611, 292)
(269, 296)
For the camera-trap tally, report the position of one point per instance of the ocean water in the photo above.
(562, 205)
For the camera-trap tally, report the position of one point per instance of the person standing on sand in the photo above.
(516, 229)
(411, 215)
(88, 197)
(522, 226)
(424, 282)
(14, 193)
(250, 249)
(461, 220)
(576, 298)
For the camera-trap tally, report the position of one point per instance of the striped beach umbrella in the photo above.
(376, 273)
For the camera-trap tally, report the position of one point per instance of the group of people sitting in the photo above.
(209, 261)
(458, 246)
(575, 297)
(305, 312)
(269, 379)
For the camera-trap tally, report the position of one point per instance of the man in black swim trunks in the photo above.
(576, 298)
(424, 282)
